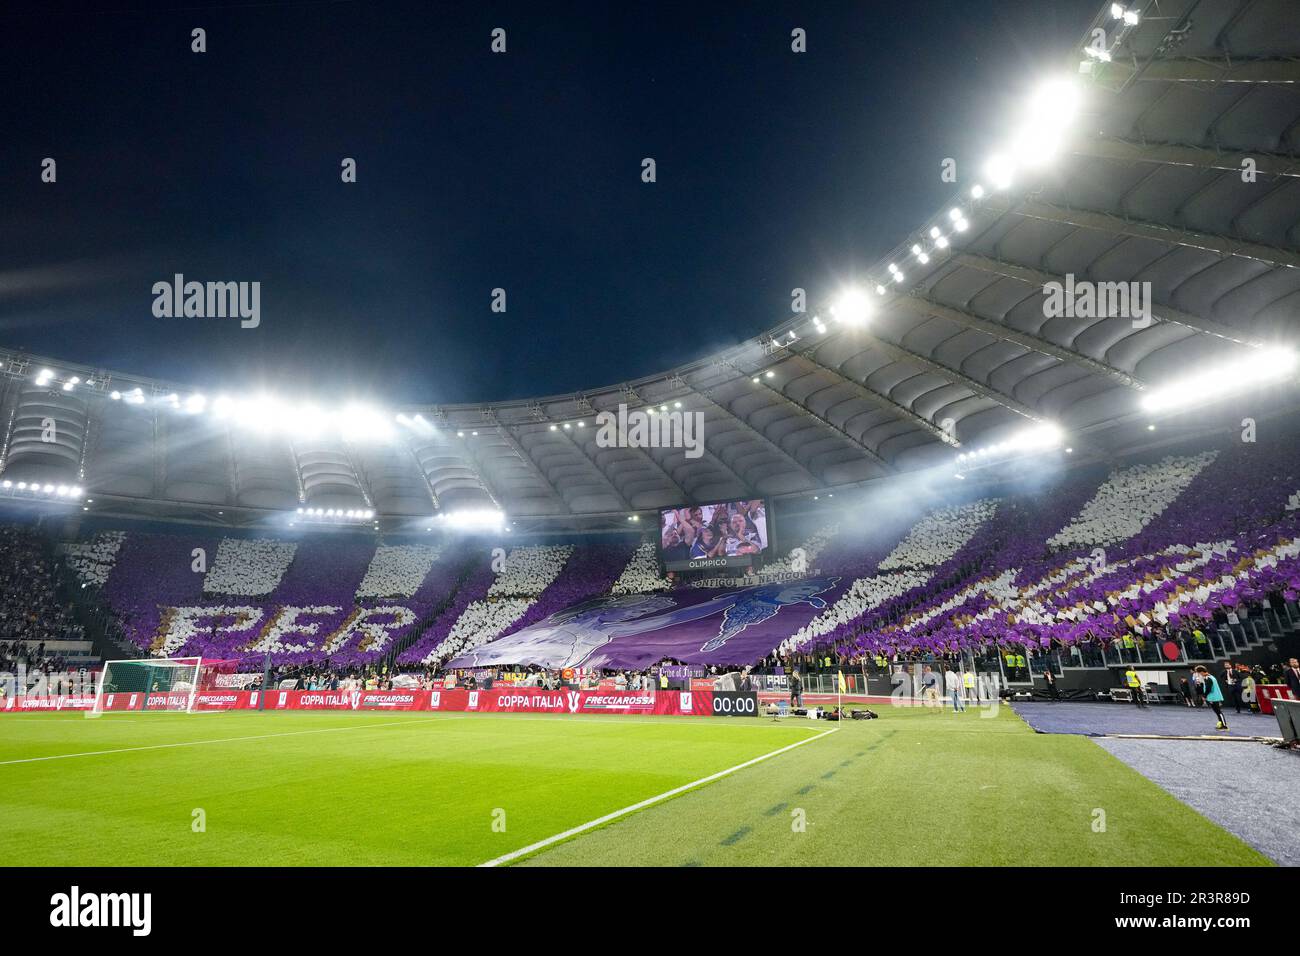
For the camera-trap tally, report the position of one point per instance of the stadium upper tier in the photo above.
(1140, 223)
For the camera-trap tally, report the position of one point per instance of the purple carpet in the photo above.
(1102, 719)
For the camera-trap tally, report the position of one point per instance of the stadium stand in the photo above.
(40, 633)
(1176, 562)
(1169, 556)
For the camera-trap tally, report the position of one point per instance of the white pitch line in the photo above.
(649, 801)
(221, 740)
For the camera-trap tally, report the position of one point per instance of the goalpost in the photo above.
(168, 684)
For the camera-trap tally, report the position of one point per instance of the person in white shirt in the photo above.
(952, 684)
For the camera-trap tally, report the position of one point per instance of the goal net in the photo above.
(150, 684)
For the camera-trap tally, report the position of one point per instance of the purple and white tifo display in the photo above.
(733, 626)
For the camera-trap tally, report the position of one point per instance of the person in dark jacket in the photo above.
(1292, 676)
(1050, 679)
(1231, 686)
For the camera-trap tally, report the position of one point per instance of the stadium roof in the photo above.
(1180, 169)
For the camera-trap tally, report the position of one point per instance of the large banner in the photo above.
(347, 700)
(499, 700)
(138, 700)
(533, 700)
(503, 700)
(52, 702)
(736, 626)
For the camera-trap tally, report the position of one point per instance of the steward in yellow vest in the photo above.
(1135, 686)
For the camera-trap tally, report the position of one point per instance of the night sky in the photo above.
(476, 171)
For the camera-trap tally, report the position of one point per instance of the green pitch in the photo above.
(914, 788)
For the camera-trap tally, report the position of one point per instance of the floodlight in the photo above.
(362, 423)
(472, 519)
(853, 307)
(1209, 384)
(1000, 170)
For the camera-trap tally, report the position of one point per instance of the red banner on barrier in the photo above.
(1267, 693)
(347, 700)
(225, 700)
(532, 700)
(127, 701)
(60, 702)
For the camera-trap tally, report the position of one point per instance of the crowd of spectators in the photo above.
(31, 611)
(33, 616)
